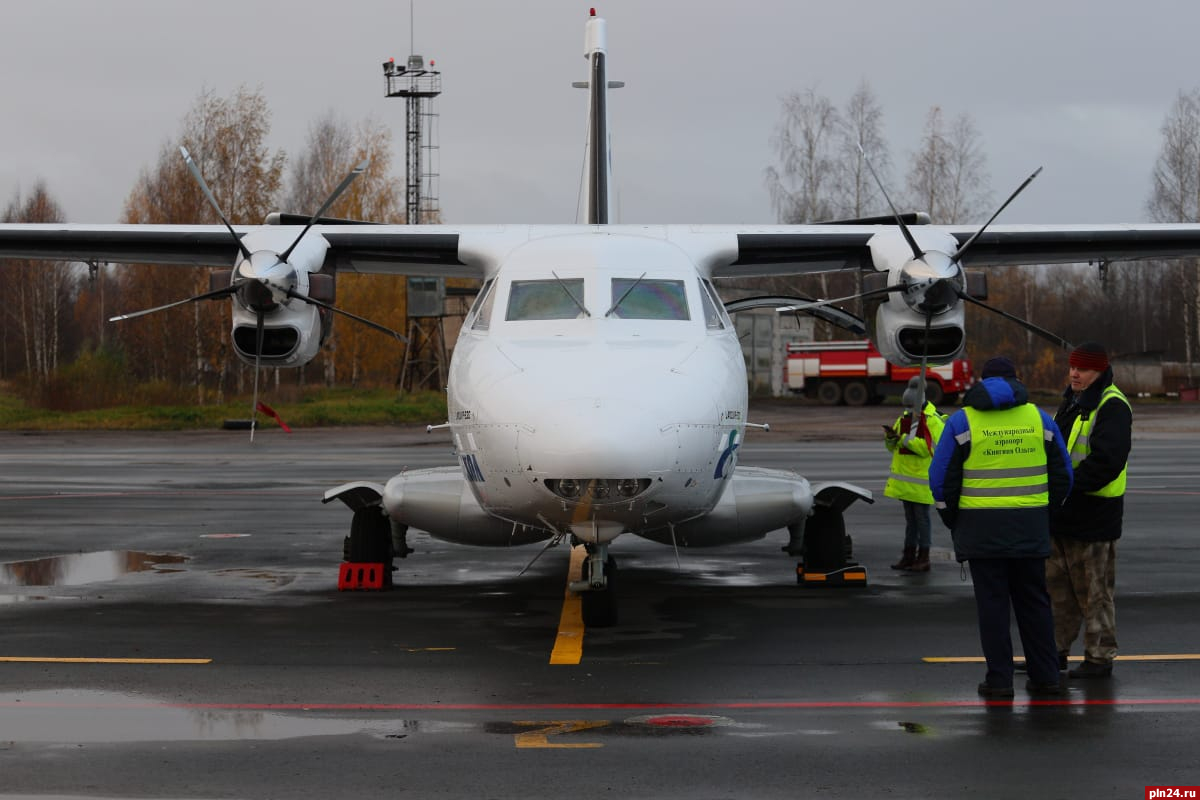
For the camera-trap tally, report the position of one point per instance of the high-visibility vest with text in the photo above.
(1006, 467)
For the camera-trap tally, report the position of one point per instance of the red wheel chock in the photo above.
(360, 576)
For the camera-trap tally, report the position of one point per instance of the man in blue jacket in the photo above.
(999, 469)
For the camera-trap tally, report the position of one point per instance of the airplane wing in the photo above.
(1047, 244)
(465, 251)
(794, 250)
(396, 249)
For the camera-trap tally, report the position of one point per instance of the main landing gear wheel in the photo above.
(600, 605)
(370, 541)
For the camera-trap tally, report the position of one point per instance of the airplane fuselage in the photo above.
(597, 387)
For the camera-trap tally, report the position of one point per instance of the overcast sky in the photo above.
(92, 90)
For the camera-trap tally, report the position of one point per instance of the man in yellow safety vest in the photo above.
(999, 468)
(1097, 420)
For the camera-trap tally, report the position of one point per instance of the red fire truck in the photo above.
(855, 373)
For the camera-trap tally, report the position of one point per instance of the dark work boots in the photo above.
(1091, 669)
(921, 562)
(906, 560)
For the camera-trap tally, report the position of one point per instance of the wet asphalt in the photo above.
(170, 626)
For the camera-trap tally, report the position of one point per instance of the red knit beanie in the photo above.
(1089, 355)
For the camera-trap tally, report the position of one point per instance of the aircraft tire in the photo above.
(599, 607)
(825, 544)
(370, 539)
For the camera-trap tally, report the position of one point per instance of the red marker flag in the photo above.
(270, 412)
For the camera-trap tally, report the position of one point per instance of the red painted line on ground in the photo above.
(764, 706)
(178, 493)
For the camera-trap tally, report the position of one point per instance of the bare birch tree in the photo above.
(1175, 197)
(948, 173)
(805, 142)
(38, 294)
(855, 192)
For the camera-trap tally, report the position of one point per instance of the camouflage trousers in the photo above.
(1080, 577)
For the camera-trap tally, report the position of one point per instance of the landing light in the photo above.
(598, 489)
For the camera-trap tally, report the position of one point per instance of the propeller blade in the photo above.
(215, 293)
(957, 256)
(341, 187)
(356, 317)
(917, 251)
(819, 303)
(258, 345)
(191, 165)
(919, 401)
(1045, 334)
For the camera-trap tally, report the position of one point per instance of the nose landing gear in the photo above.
(597, 587)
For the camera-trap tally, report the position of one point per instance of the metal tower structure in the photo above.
(425, 359)
(419, 87)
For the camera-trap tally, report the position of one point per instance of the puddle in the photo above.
(79, 569)
(86, 716)
(81, 716)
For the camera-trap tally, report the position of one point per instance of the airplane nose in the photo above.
(597, 437)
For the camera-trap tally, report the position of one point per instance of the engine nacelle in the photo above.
(439, 501)
(899, 334)
(291, 336)
(898, 330)
(757, 501)
(292, 332)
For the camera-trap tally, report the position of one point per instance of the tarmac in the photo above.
(171, 627)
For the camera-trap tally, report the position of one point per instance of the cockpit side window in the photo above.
(646, 298)
(545, 299)
(481, 312)
(713, 318)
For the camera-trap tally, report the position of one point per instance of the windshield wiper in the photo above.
(574, 300)
(621, 299)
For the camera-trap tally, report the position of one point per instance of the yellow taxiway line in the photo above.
(1152, 657)
(568, 643)
(47, 660)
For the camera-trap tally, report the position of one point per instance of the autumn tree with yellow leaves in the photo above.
(226, 137)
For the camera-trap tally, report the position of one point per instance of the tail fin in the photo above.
(599, 162)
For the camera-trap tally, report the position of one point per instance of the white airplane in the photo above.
(598, 388)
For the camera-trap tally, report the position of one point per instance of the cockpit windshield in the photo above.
(546, 299)
(648, 298)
